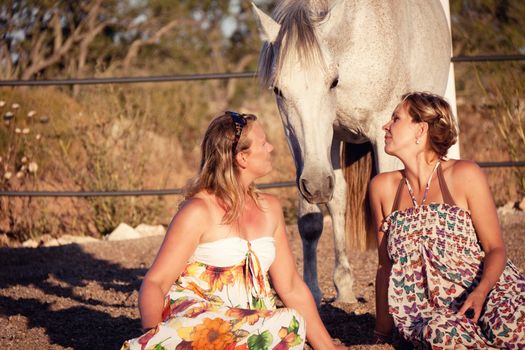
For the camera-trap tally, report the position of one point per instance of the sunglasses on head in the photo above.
(239, 122)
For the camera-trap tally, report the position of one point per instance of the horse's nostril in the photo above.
(330, 183)
(304, 187)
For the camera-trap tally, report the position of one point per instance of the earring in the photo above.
(418, 141)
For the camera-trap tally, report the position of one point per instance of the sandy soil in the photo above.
(85, 297)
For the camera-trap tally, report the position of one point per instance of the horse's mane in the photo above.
(298, 19)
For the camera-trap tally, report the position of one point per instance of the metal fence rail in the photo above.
(163, 192)
(190, 77)
(179, 191)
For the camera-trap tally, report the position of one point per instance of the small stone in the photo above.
(8, 115)
(25, 131)
(150, 230)
(7, 175)
(30, 243)
(31, 114)
(522, 204)
(122, 232)
(18, 130)
(44, 119)
(51, 243)
(24, 159)
(15, 106)
(2, 103)
(19, 174)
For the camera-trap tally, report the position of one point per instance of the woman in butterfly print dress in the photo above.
(208, 287)
(443, 278)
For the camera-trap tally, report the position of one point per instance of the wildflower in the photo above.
(7, 175)
(31, 114)
(18, 130)
(19, 174)
(38, 136)
(24, 159)
(23, 168)
(2, 103)
(25, 131)
(33, 167)
(44, 119)
(8, 115)
(15, 106)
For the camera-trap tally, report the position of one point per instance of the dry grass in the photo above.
(147, 136)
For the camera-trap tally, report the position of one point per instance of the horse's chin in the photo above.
(320, 200)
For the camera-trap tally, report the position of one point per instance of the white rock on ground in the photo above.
(30, 243)
(122, 232)
(146, 230)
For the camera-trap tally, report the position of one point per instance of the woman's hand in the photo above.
(472, 306)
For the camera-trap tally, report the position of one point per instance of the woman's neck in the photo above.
(418, 169)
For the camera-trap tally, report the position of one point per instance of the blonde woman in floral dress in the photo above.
(208, 287)
(443, 277)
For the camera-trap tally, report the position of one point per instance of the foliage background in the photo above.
(138, 136)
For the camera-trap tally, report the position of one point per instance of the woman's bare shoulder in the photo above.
(197, 206)
(272, 202)
(464, 171)
(385, 180)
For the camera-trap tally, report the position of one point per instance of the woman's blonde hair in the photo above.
(436, 112)
(218, 173)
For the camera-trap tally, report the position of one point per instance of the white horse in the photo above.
(338, 70)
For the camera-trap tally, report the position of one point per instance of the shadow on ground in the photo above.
(78, 300)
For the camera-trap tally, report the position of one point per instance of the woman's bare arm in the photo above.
(485, 219)
(291, 288)
(384, 322)
(179, 244)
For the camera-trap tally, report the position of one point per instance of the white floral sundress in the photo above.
(223, 300)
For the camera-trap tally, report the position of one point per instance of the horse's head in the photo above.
(300, 70)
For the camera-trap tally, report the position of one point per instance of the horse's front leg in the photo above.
(310, 225)
(343, 276)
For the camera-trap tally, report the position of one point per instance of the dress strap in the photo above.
(255, 278)
(397, 198)
(447, 197)
(427, 187)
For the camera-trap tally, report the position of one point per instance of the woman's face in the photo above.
(400, 131)
(258, 156)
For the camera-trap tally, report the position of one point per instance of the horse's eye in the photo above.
(277, 92)
(334, 83)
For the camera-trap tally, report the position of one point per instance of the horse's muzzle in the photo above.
(317, 192)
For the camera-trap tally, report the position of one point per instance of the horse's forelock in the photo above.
(298, 19)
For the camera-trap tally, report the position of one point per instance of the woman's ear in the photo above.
(422, 129)
(241, 159)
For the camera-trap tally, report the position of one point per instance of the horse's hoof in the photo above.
(347, 299)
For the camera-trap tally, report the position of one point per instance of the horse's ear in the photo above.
(268, 28)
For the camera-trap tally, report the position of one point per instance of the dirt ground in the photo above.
(85, 297)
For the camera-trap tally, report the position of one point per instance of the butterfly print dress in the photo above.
(436, 261)
(223, 300)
